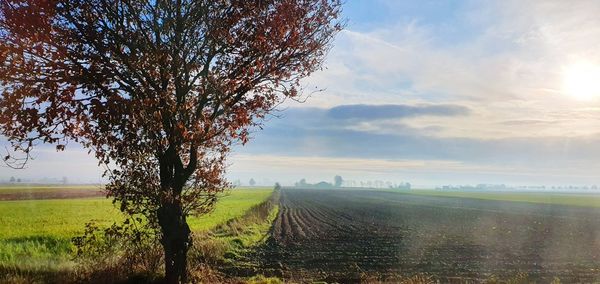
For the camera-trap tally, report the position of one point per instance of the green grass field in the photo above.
(234, 204)
(37, 233)
(571, 199)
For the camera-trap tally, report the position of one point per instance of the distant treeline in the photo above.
(338, 181)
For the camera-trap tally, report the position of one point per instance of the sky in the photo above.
(430, 92)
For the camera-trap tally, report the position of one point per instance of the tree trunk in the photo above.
(176, 242)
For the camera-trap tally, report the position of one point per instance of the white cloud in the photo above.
(511, 68)
(507, 69)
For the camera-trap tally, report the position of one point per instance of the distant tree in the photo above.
(157, 90)
(323, 184)
(13, 179)
(252, 182)
(19, 180)
(301, 183)
(406, 185)
(277, 186)
(337, 181)
(65, 180)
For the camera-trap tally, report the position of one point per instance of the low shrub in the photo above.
(118, 253)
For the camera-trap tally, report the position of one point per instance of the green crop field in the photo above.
(37, 233)
(231, 206)
(572, 199)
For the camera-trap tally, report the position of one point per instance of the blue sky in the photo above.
(432, 92)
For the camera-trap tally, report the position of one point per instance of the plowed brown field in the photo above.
(344, 235)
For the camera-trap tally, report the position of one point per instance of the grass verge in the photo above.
(35, 235)
(224, 248)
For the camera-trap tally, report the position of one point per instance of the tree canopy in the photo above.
(158, 90)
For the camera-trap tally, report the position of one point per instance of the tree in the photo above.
(301, 183)
(13, 179)
(157, 90)
(252, 182)
(337, 181)
(65, 180)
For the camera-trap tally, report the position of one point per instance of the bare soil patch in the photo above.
(347, 235)
(51, 193)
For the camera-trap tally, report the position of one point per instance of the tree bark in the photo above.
(176, 235)
(176, 242)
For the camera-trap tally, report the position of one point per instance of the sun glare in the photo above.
(582, 81)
